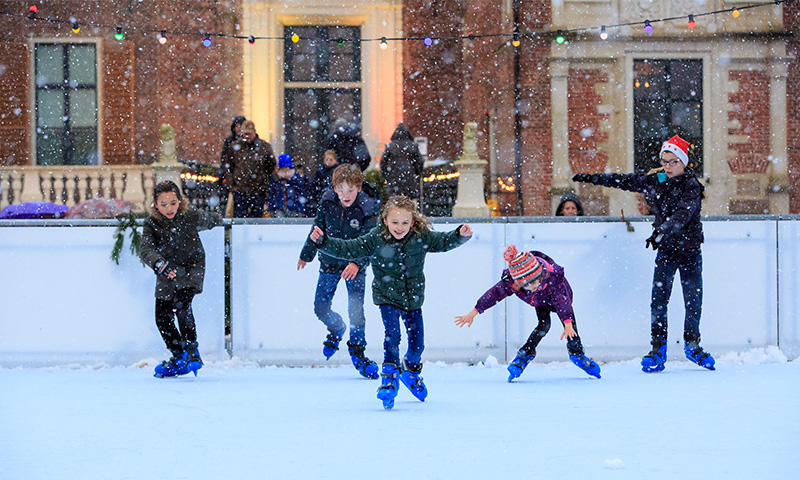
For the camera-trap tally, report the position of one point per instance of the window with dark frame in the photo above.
(66, 104)
(322, 75)
(667, 101)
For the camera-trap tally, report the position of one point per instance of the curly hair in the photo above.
(420, 223)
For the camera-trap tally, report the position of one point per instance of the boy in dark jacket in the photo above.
(538, 281)
(674, 197)
(344, 212)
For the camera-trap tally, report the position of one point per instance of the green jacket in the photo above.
(178, 242)
(396, 264)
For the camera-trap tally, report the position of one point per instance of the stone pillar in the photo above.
(167, 167)
(562, 171)
(779, 187)
(470, 201)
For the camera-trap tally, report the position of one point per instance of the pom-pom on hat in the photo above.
(679, 147)
(524, 267)
(285, 161)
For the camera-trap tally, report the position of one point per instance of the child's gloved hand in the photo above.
(317, 236)
(654, 240)
(166, 269)
(582, 177)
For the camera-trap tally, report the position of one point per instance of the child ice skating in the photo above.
(537, 280)
(344, 212)
(171, 246)
(397, 250)
(674, 197)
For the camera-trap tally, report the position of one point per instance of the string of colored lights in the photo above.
(560, 35)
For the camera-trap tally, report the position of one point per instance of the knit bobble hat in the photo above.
(524, 267)
(679, 147)
(285, 161)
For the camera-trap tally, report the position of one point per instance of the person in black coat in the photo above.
(674, 196)
(346, 212)
(402, 164)
(348, 144)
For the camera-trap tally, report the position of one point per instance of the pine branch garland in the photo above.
(125, 223)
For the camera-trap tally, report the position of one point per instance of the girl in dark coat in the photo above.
(171, 247)
(537, 280)
(674, 197)
(397, 251)
(402, 164)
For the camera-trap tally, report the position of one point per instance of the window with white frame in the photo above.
(322, 83)
(66, 103)
(667, 101)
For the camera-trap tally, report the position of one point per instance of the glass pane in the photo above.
(82, 108)
(686, 80)
(84, 143)
(49, 147)
(302, 57)
(343, 61)
(345, 104)
(49, 65)
(82, 65)
(50, 108)
(688, 116)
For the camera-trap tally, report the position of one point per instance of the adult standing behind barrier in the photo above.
(569, 206)
(677, 234)
(402, 164)
(348, 144)
(248, 168)
(236, 133)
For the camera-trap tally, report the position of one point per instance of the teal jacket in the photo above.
(396, 264)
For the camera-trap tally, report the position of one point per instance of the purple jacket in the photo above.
(554, 293)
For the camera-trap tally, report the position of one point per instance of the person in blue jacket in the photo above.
(674, 195)
(344, 212)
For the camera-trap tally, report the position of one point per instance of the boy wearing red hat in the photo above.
(537, 280)
(677, 235)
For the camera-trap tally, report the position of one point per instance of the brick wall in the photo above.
(144, 84)
(750, 108)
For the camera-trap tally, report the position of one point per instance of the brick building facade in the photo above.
(577, 102)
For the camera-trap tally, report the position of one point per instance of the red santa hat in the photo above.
(679, 147)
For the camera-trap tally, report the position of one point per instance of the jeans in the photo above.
(180, 305)
(248, 206)
(326, 288)
(574, 346)
(391, 340)
(691, 268)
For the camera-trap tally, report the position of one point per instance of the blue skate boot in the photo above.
(331, 343)
(411, 379)
(366, 367)
(586, 364)
(389, 385)
(655, 360)
(193, 360)
(519, 363)
(173, 367)
(696, 354)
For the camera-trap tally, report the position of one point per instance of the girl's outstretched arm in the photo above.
(466, 319)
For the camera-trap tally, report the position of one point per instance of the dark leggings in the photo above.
(543, 313)
(180, 305)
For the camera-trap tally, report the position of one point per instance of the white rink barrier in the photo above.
(66, 302)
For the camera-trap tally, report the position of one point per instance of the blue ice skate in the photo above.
(193, 360)
(389, 385)
(411, 379)
(331, 343)
(519, 363)
(655, 360)
(366, 367)
(586, 364)
(696, 354)
(173, 367)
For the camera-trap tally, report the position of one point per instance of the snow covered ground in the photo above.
(237, 421)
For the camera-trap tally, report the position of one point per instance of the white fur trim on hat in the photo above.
(683, 155)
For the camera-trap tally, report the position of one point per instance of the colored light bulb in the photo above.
(119, 36)
(207, 41)
(735, 13)
(603, 33)
(692, 23)
(295, 38)
(647, 27)
(383, 44)
(251, 39)
(76, 28)
(162, 37)
(560, 37)
(428, 41)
